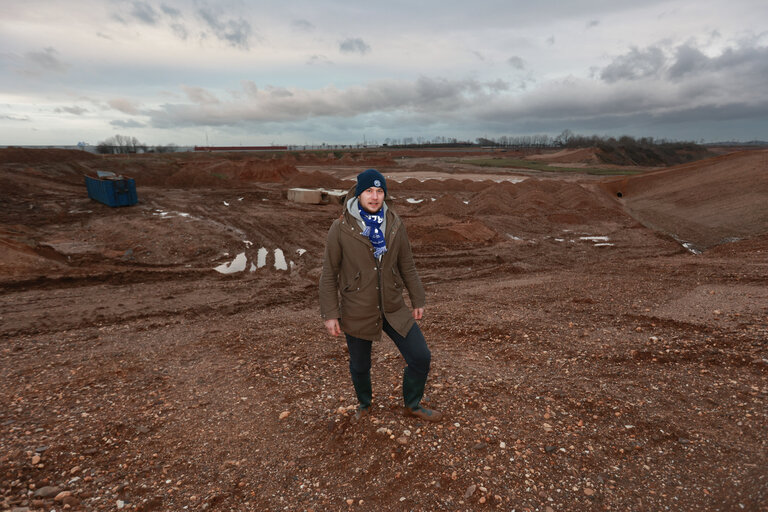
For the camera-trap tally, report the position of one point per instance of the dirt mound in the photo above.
(439, 229)
(704, 203)
(43, 156)
(271, 171)
(224, 172)
(538, 205)
(447, 204)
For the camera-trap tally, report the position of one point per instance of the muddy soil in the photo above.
(584, 358)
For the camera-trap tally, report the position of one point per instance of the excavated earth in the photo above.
(590, 351)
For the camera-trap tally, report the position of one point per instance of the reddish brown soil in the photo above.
(705, 203)
(573, 374)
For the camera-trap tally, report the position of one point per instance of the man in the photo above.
(367, 263)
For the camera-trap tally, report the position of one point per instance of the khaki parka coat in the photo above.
(357, 289)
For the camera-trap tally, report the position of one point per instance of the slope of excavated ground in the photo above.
(705, 203)
(583, 361)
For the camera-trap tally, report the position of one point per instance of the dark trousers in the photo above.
(413, 347)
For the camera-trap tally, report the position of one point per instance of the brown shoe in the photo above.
(424, 413)
(362, 412)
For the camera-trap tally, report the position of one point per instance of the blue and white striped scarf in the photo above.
(373, 230)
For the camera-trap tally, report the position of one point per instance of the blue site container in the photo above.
(112, 190)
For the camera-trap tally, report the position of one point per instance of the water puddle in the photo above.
(241, 261)
(236, 265)
(280, 263)
(261, 258)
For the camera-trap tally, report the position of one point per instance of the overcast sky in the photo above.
(232, 72)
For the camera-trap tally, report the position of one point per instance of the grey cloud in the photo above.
(36, 64)
(593, 23)
(516, 62)
(127, 124)
(303, 25)
(636, 90)
(689, 61)
(354, 45)
(144, 12)
(318, 59)
(200, 96)
(424, 96)
(635, 65)
(235, 32)
(180, 30)
(250, 88)
(124, 105)
(47, 60)
(78, 111)
(170, 11)
(14, 118)
(660, 92)
(686, 62)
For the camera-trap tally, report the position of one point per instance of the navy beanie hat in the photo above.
(370, 178)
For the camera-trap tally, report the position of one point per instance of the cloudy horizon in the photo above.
(194, 72)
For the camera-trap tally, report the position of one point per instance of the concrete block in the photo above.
(305, 195)
(316, 196)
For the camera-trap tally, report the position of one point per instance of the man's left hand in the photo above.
(418, 313)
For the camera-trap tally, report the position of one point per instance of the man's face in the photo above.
(371, 199)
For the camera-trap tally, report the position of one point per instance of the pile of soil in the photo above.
(43, 156)
(705, 203)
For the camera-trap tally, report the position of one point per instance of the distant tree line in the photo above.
(568, 139)
(124, 144)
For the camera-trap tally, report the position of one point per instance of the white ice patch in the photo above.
(247, 243)
(559, 239)
(594, 238)
(236, 265)
(167, 215)
(414, 201)
(280, 263)
(261, 257)
(465, 202)
(225, 203)
(240, 198)
(513, 237)
(689, 246)
(604, 244)
(300, 251)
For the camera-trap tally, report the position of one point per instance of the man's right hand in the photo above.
(332, 326)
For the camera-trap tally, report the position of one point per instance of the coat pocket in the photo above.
(353, 285)
(393, 292)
